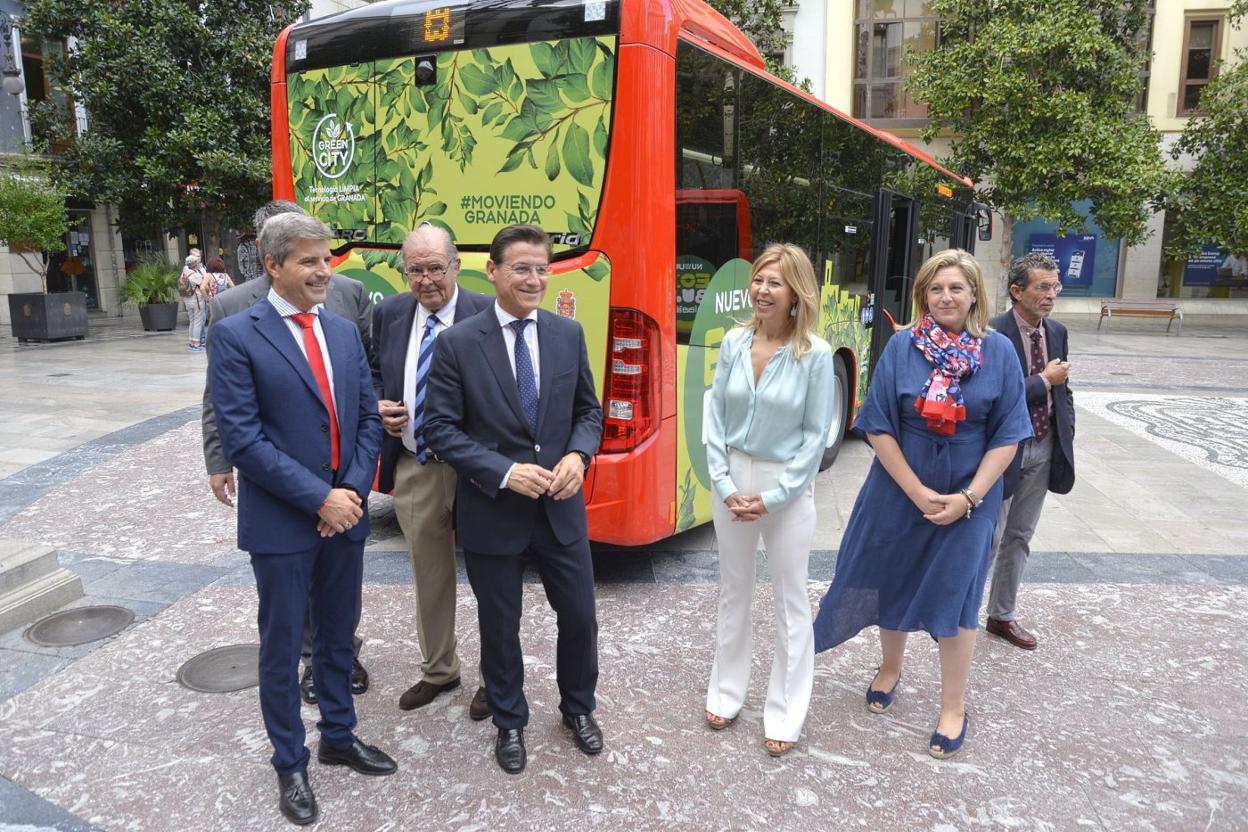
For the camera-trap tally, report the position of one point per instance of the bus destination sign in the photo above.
(442, 27)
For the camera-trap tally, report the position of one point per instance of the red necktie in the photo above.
(313, 348)
(1039, 412)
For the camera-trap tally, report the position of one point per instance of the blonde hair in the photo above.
(799, 275)
(977, 319)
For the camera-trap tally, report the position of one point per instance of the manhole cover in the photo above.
(222, 669)
(79, 626)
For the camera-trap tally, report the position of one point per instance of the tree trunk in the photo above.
(1000, 288)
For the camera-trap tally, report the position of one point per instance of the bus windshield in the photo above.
(476, 125)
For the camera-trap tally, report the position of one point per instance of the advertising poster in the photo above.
(1202, 269)
(1075, 255)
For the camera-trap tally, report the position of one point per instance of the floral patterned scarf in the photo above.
(952, 358)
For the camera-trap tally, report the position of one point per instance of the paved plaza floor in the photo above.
(1130, 715)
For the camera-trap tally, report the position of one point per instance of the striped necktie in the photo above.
(422, 378)
(526, 380)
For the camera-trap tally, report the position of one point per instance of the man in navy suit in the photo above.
(405, 328)
(1046, 462)
(512, 408)
(298, 418)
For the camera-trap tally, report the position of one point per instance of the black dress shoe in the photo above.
(480, 707)
(509, 750)
(585, 731)
(297, 802)
(422, 693)
(305, 686)
(359, 678)
(366, 759)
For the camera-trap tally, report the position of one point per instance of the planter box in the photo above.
(159, 317)
(52, 317)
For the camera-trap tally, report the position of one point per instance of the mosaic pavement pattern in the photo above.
(1209, 431)
(1109, 726)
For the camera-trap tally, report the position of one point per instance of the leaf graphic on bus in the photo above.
(575, 87)
(582, 55)
(576, 154)
(333, 129)
(477, 81)
(601, 78)
(544, 58)
(597, 270)
(437, 209)
(544, 94)
(552, 163)
(600, 138)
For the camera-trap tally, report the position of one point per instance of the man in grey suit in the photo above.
(347, 298)
(1046, 462)
(405, 328)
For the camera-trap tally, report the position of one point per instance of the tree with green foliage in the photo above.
(1039, 99)
(1209, 203)
(177, 94)
(761, 20)
(33, 219)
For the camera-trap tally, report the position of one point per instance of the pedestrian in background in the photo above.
(248, 256)
(771, 407)
(215, 281)
(945, 413)
(189, 283)
(1046, 462)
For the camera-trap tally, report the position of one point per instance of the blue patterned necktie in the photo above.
(526, 382)
(422, 376)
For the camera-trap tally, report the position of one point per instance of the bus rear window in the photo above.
(472, 141)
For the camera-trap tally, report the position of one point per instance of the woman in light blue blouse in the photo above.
(767, 427)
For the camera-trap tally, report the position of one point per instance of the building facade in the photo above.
(97, 255)
(862, 58)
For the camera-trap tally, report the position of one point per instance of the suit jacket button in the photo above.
(537, 449)
(325, 466)
(324, 428)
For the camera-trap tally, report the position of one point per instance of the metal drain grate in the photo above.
(222, 669)
(79, 625)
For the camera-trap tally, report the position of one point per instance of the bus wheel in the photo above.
(840, 406)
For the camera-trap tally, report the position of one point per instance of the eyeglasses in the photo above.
(523, 270)
(1046, 288)
(435, 271)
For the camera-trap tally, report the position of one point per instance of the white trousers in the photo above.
(786, 535)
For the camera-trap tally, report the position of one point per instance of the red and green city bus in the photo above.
(648, 139)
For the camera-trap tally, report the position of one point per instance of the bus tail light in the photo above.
(631, 400)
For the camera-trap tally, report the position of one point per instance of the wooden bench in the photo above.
(1141, 309)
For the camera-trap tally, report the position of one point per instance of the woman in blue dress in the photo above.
(944, 414)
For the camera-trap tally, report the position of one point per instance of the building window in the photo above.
(887, 32)
(1202, 45)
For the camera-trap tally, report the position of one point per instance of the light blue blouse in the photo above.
(786, 419)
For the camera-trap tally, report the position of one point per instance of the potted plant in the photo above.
(33, 224)
(152, 286)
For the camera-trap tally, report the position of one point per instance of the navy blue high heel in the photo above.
(948, 747)
(879, 701)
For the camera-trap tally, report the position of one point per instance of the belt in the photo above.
(430, 456)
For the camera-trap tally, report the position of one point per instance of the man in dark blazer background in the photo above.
(405, 328)
(298, 417)
(1046, 462)
(512, 407)
(347, 298)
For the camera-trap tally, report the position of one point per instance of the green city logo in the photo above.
(333, 142)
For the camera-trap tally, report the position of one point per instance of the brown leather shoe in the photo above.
(422, 693)
(1012, 632)
(480, 707)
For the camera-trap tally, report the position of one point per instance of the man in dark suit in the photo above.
(347, 298)
(405, 328)
(298, 418)
(1046, 462)
(512, 407)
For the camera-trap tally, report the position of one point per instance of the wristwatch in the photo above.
(585, 458)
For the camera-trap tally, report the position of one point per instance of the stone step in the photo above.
(32, 583)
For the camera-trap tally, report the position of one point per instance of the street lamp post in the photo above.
(12, 83)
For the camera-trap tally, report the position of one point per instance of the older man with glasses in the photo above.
(1046, 462)
(405, 327)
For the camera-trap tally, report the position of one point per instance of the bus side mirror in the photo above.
(983, 222)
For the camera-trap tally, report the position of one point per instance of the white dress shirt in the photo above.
(286, 309)
(509, 338)
(445, 317)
